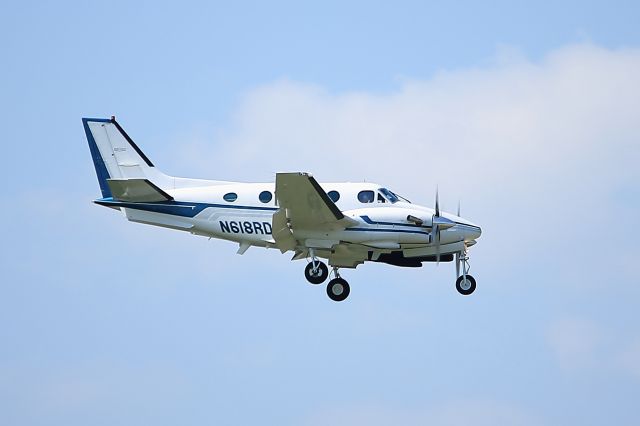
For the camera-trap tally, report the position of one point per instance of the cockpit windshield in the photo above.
(392, 197)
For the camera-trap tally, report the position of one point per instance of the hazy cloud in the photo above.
(540, 153)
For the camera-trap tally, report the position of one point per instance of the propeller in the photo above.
(439, 223)
(435, 229)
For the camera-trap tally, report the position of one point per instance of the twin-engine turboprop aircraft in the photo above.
(345, 223)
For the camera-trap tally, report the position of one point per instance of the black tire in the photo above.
(466, 288)
(320, 276)
(338, 289)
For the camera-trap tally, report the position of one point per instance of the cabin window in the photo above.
(265, 196)
(230, 197)
(334, 195)
(366, 196)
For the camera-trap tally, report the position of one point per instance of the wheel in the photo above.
(317, 277)
(466, 287)
(338, 289)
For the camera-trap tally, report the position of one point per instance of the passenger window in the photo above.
(230, 197)
(334, 195)
(366, 196)
(265, 196)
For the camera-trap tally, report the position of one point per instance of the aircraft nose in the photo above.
(475, 232)
(471, 232)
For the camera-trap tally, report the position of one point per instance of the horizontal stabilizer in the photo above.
(136, 191)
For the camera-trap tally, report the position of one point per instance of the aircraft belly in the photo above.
(158, 219)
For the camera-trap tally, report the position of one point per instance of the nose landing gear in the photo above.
(465, 283)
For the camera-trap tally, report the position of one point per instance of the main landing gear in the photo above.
(338, 289)
(317, 272)
(465, 283)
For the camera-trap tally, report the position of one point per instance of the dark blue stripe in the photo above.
(373, 222)
(176, 208)
(387, 230)
(98, 162)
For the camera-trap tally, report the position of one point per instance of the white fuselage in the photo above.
(235, 212)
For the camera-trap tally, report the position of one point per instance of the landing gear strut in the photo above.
(465, 283)
(316, 272)
(338, 289)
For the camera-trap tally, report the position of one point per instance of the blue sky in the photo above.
(527, 112)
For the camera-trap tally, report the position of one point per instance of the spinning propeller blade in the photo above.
(439, 223)
(435, 230)
(436, 238)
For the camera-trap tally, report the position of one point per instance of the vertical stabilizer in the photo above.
(116, 156)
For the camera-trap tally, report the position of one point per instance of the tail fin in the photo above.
(116, 156)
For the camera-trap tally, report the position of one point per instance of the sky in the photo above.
(528, 113)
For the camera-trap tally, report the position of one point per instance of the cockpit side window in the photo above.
(393, 197)
(381, 199)
(366, 196)
(389, 195)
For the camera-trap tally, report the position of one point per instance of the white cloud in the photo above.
(536, 151)
(512, 124)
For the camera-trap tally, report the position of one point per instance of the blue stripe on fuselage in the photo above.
(368, 220)
(176, 208)
(401, 231)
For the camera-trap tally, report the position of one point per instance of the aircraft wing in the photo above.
(308, 206)
(303, 205)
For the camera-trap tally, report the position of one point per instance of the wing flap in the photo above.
(282, 233)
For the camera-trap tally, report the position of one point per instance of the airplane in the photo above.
(345, 223)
